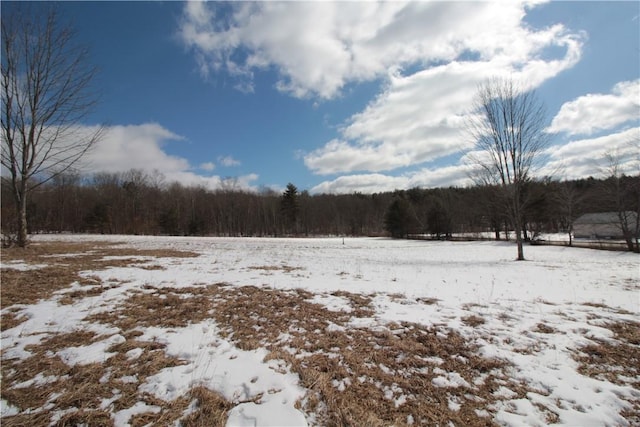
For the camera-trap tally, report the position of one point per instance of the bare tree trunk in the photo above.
(20, 198)
(519, 243)
(571, 234)
(518, 226)
(23, 237)
(637, 231)
(626, 232)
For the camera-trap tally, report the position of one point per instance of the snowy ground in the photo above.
(535, 316)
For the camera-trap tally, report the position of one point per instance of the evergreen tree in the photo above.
(289, 208)
(399, 218)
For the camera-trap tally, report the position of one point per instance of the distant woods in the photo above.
(139, 203)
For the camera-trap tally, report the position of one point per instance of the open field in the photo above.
(124, 330)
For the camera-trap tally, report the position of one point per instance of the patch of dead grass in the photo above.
(359, 376)
(627, 332)
(354, 375)
(27, 420)
(95, 418)
(361, 304)
(80, 387)
(543, 328)
(72, 297)
(473, 320)
(42, 383)
(64, 261)
(11, 319)
(28, 287)
(616, 362)
(162, 307)
(607, 308)
(269, 268)
(211, 409)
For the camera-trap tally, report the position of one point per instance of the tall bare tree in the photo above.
(568, 201)
(622, 191)
(508, 126)
(46, 93)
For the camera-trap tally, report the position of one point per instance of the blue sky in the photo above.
(351, 96)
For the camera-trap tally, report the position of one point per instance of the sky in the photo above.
(351, 96)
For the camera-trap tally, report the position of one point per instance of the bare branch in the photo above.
(508, 128)
(46, 92)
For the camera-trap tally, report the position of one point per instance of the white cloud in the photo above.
(574, 160)
(456, 175)
(318, 47)
(141, 147)
(420, 117)
(134, 147)
(208, 166)
(364, 183)
(594, 112)
(588, 157)
(228, 161)
(244, 182)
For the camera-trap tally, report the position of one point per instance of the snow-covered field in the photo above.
(534, 315)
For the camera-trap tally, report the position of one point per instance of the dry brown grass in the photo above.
(473, 320)
(355, 376)
(91, 291)
(543, 328)
(608, 308)
(64, 261)
(43, 383)
(163, 307)
(428, 301)
(616, 362)
(88, 418)
(269, 268)
(11, 319)
(361, 304)
(211, 409)
(82, 387)
(28, 287)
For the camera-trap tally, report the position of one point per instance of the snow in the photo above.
(448, 379)
(122, 417)
(21, 266)
(94, 353)
(237, 374)
(332, 302)
(464, 278)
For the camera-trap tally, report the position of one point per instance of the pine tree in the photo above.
(399, 218)
(289, 208)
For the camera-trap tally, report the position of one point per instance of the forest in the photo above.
(137, 202)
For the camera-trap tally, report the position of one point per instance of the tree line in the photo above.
(136, 202)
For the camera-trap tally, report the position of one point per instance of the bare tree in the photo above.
(508, 126)
(46, 92)
(623, 191)
(568, 201)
